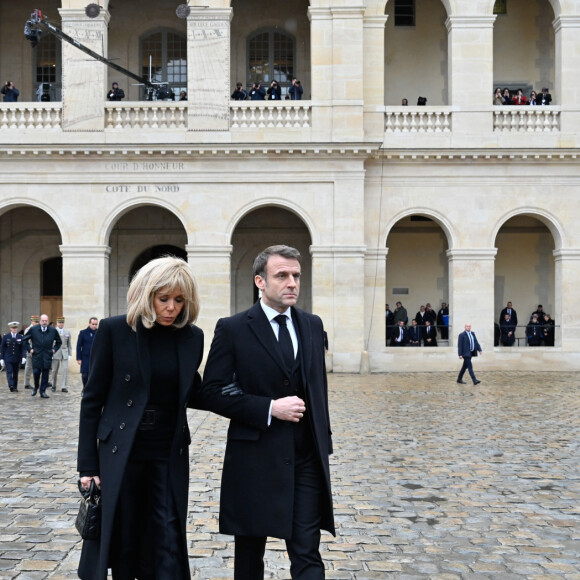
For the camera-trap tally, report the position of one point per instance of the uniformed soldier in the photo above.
(61, 356)
(12, 355)
(34, 321)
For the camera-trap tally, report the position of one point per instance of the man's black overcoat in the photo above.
(257, 493)
(44, 344)
(118, 385)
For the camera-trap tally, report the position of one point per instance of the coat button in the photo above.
(127, 378)
(122, 426)
(114, 449)
(286, 382)
(286, 461)
(129, 403)
(181, 451)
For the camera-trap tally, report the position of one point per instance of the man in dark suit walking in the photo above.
(45, 341)
(467, 347)
(84, 346)
(266, 372)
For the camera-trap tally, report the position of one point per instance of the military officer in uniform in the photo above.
(34, 321)
(61, 356)
(12, 355)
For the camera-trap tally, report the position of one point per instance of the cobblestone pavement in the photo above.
(431, 480)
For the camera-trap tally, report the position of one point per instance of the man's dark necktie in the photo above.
(285, 341)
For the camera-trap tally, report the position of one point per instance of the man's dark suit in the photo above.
(12, 351)
(44, 345)
(84, 346)
(260, 475)
(513, 316)
(464, 350)
(429, 336)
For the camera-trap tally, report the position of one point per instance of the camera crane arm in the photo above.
(37, 24)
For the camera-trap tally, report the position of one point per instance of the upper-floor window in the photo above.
(164, 58)
(271, 55)
(404, 12)
(500, 7)
(47, 80)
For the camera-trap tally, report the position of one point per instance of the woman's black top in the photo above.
(153, 439)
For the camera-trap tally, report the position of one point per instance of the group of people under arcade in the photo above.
(44, 349)
(539, 329)
(507, 97)
(423, 329)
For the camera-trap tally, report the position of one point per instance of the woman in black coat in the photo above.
(133, 432)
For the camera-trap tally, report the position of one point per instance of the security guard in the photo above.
(12, 355)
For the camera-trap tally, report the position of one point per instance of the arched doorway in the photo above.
(138, 236)
(417, 268)
(524, 271)
(30, 263)
(524, 47)
(257, 230)
(416, 52)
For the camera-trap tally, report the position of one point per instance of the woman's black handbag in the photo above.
(88, 522)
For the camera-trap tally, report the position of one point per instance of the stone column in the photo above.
(470, 70)
(374, 76)
(208, 68)
(211, 267)
(375, 292)
(471, 292)
(566, 315)
(338, 298)
(84, 78)
(321, 72)
(348, 77)
(85, 283)
(567, 89)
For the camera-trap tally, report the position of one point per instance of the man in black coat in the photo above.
(511, 312)
(266, 372)
(44, 342)
(84, 346)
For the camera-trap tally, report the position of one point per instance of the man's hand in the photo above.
(80, 362)
(23, 362)
(288, 409)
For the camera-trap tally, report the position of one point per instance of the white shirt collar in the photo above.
(271, 313)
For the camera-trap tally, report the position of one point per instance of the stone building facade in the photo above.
(457, 201)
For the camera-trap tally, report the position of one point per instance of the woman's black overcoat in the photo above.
(113, 402)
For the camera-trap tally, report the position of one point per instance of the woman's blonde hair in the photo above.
(168, 273)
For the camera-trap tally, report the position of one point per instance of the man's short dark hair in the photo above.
(262, 258)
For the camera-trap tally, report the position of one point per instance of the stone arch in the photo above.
(548, 219)
(136, 229)
(29, 234)
(257, 229)
(130, 204)
(9, 204)
(525, 270)
(436, 216)
(273, 202)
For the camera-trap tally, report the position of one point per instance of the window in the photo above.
(164, 56)
(500, 7)
(48, 68)
(404, 12)
(271, 57)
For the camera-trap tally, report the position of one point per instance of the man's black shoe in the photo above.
(44, 396)
(64, 390)
(34, 391)
(476, 382)
(27, 387)
(49, 385)
(54, 389)
(461, 382)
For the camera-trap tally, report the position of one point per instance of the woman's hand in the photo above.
(86, 482)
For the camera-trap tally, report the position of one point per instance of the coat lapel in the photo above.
(261, 327)
(304, 332)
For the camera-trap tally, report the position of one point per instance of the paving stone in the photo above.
(429, 480)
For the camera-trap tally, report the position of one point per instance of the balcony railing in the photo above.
(270, 114)
(418, 119)
(513, 119)
(146, 115)
(30, 116)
